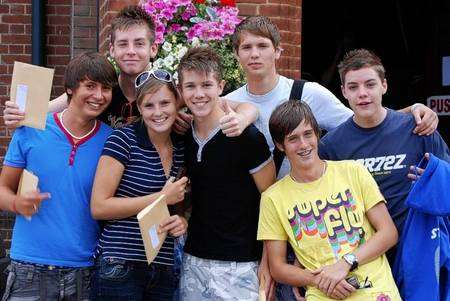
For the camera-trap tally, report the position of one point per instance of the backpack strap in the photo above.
(296, 93)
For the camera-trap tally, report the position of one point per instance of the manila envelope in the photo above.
(149, 219)
(30, 90)
(28, 182)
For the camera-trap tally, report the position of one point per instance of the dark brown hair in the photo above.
(257, 25)
(287, 116)
(89, 66)
(131, 16)
(360, 58)
(201, 59)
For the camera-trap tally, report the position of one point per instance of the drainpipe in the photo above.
(37, 32)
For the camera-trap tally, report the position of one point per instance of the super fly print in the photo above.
(334, 218)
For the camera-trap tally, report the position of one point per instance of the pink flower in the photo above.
(175, 27)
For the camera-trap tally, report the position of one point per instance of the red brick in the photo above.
(270, 10)
(63, 10)
(17, 28)
(248, 9)
(62, 29)
(15, 39)
(253, 1)
(17, 1)
(84, 42)
(5, 79)
(4, 28)
(58, 20)
(16, 19)
(16, 49)
(82, 10)
(53, 60)
(10, 58)
(282, 23)
(58, 40)
(17, 9)
(3, 68)
(84, 21)
(81, 32)
(4, 9)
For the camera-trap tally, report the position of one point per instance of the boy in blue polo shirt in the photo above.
(54, 235)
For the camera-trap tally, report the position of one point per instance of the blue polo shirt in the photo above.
(387, 150)
(63, 232)
(143, 175)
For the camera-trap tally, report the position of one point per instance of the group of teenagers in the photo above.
(113, 145)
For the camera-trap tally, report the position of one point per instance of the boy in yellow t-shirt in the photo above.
(332, 214)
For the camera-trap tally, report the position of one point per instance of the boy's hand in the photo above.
(182, 122)
(415, 172)
(342, 290)
(175, 225)
(331, 275)
(265, 278)
(12, 115)
(28, 203)
(426, 119)
(232, 124)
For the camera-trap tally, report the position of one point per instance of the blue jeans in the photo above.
(117, 279)
(27, 281)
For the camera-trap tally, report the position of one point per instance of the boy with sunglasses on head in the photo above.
(132, 46)
(54, 235)
(227, 176)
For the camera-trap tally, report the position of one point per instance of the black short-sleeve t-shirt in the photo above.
(120, 112)
(225, 199)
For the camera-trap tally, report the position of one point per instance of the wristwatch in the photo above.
(352, 260)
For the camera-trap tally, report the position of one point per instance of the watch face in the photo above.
(350, 257)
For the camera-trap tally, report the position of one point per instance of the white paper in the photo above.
(21, 96)
(446, 71)
(153, 236)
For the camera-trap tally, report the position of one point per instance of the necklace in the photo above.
(318, 183)
(72, 135)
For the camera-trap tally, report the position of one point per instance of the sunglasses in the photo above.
(159, 74)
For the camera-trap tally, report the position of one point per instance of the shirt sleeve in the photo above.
(327, 108)
(257, 151)
(269, 226)
(370, 192)
(325, 150)
(437, 146)
(118, 146)
(16, 154)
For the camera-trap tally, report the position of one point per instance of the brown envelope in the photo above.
(149, 219)
(30, 90)
(28, 182)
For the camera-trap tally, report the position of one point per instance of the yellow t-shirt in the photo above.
(324, 220)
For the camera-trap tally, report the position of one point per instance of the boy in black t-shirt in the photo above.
(227, 176)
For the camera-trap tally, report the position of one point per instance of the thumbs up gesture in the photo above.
(232, 124)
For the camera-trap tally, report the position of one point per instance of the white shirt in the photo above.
(327, 109)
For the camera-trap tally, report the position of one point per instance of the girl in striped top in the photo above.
(137, 165)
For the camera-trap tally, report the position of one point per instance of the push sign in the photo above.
(440, 104)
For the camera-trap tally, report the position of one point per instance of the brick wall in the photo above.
(84, 33)
(285, 13)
